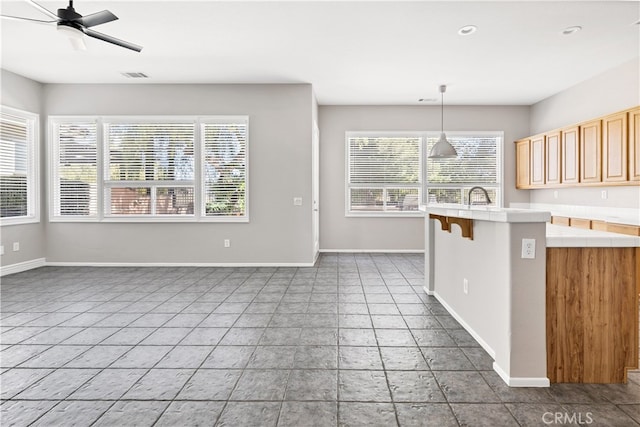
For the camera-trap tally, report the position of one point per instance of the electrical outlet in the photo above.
(227, 243)
(529, 248)
(16, 246)
(297, 201)
(604, 194)
(465, 286)
(555, 194)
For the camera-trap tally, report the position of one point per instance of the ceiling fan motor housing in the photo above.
(68, 14)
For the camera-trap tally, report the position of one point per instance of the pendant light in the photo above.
(443, 148)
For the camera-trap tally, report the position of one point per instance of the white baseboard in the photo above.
(521, 381)
(180, 264)
(22, 266)
(428, 292)
(464, 324)
(374, 251)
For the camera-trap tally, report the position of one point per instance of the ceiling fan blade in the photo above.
(43, 9)
(113, 40)
(18, 18)
(97, 18)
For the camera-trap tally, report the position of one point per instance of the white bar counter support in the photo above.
(504, 306)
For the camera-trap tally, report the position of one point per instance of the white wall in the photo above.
(24, 94)
(609, 92)
(338, 232)
(280, 128)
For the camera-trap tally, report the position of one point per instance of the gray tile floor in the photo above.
(351, 341)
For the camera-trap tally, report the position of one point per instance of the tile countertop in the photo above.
(559, 236)
(493, 214)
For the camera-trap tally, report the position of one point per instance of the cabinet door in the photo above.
(522, 163)
(614, 148)
(634, 145)
(570, 155)
(590, 151)
(552, 160)
(537, 160)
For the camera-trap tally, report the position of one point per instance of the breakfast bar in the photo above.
(548, 303)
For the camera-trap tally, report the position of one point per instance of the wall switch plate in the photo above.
(528, 248)
(555, 194)
(604, 194)
(297, 201)
(465, 286)
(227, 243)
(16, 246)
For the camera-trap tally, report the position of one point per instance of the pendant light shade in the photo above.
(443, 148)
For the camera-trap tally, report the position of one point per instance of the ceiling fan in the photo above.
(74, 25)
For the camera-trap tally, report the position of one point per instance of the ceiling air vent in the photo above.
(136, 75)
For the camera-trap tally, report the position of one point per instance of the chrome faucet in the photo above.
(486, 195)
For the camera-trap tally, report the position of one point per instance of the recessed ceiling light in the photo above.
(467, 29)
(135, 75)
(571, 30)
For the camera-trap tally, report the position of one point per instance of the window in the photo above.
(387, 174)
(75, 170)
(150, 169)
(383, 174)
(478, 164)
(18, 166)
(224, 168)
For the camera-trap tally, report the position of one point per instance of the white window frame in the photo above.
(384, 187)
(103, 183)
(53, 154)
(425, 184)
(33, 167)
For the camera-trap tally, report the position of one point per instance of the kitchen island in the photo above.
(521, 310)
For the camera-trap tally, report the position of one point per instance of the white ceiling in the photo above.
(353, 52)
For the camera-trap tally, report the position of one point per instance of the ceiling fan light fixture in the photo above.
(75, 36)
(442, 148)
(70, 31)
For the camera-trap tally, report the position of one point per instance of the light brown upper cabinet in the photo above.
(634, 144)
(614, 148)
(537, 160)
(599, 152)
(553, 156)
(570, 155)
(522, 163)
(591, 151)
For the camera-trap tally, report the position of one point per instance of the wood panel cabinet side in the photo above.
(614, 148)
(522, 164)
(634, 144)
(570, 155)
(591, 151)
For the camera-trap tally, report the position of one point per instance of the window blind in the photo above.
(18, 166)
(477, 164)
(15, 136)
(150, 151)
(76, 169)
(225, 168)
(384, 173)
